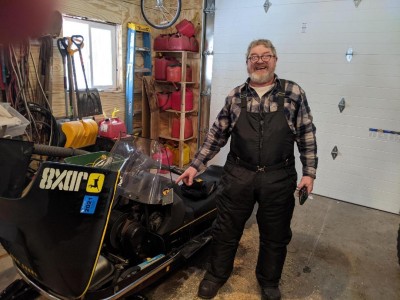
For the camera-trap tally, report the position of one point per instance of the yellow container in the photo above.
(175, 152)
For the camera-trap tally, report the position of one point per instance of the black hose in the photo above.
(57, 151)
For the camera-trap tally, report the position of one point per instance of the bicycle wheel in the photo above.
(160, 14)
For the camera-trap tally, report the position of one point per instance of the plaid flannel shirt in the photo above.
(297, 113)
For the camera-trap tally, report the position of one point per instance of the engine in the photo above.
(131, 228)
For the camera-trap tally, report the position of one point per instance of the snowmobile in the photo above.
(99, 225)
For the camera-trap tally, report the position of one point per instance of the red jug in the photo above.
(174, 73)
(112, 128)
(188, 132)
(194, 44)
(161, 42)
(166, 157)
(164, 100)
(178, 42)
(176, 100)
(185, 27)
(160, 66)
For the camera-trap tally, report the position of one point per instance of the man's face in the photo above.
(260, 71)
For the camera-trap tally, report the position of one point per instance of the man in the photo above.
(264, 117)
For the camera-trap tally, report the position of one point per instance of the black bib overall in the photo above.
(259, 168)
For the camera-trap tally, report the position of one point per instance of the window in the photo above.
(99, 52)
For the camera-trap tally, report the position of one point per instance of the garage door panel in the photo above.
(353, 91)
(328, 120)
(348, 190)
(366, 160)
(329, 103)
(312, 39)
(384, 147)
(331, 107)
(347, 165)
(330, 65)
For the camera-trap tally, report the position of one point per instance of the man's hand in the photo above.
(306, 181)
(187, 176)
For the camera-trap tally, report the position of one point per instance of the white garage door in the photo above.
(312, 39)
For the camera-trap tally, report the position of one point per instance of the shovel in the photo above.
(88, 100)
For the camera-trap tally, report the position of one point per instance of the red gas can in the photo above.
(174, 73)
(166, 157)
(185, 27)
(161, 42)
(112, 128)
(164, 100)
(179, 42)
(188, 132)
(176, 100)
(194, 44)
(160, 67)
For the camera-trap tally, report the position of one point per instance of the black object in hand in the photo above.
(303, 195)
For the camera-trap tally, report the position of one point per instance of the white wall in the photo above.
(312, 39)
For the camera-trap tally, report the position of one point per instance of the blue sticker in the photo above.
(89, 204)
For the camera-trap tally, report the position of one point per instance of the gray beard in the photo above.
(260, 79)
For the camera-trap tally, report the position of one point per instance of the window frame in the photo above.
(114, 30)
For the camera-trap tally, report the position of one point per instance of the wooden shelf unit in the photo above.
(193, 60)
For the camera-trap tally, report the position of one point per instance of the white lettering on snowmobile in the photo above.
(66, 180)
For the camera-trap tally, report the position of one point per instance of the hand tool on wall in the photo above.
(63, 51)
(88, 100)
(66, 45)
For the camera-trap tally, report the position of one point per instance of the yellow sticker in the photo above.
(95, 183)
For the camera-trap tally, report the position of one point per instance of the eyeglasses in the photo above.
(265, 58)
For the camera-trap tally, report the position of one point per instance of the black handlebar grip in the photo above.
(57, 151)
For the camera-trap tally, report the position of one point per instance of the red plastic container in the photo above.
(174, 73)
(185, 27)
(166, 157)
(194, 44)
(176, 100)
(112, 128)
(179, 42)
(188, 132)
(164, 100)
(161, 42)
(160, 66)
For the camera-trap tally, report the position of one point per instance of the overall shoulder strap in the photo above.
(281, 92)
(243, 97)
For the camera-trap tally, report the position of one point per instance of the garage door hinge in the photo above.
(357, 2)
(206, 93)
(334, 152)
(210, 9)
(267, 5)
(342, 105)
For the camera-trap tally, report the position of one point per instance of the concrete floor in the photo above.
(338, 251)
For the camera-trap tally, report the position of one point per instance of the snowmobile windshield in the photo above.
(144, 175)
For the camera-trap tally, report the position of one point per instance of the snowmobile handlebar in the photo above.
(56, 151)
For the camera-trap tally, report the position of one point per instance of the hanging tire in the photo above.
(160, 14)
